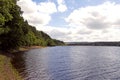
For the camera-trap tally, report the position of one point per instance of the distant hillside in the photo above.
(93, 43)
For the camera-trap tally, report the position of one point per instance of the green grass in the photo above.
(7, 71)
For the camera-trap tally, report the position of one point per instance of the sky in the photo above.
(74, 20)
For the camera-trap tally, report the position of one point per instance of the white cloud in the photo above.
(91, 23)
(96, 17)
(37, 13)
(95, 23)
(61, 6)
(60, 2)
(56, 32)
(37, 18)
(28, 6)
(47, 7)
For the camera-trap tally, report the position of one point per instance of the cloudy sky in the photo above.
(75, 20)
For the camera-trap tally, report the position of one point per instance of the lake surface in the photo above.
(70, 63)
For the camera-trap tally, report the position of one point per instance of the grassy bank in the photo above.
(7, 71)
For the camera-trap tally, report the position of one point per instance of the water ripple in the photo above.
(70, 63)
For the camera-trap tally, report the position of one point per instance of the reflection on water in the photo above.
(70, 63)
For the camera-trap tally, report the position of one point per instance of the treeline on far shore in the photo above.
(15, 32)
(93, 43)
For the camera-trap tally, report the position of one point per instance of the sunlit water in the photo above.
(70, 63)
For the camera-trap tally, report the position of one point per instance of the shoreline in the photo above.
(25, 48)
(29, 48)
(7, 69)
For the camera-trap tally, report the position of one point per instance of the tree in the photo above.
(5, 7)
(15, 32)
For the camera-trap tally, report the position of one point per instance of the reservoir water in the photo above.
(69, 63)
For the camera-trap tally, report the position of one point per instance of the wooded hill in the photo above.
(15, 32)
(112, 43)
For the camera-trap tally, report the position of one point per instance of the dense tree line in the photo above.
(112, 43)
(15, 32)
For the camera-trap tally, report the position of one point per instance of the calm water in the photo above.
(70, 63)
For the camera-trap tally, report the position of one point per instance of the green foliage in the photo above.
(57, 42)
(29, 39)
(15, 32)
(2, 19)
(5, 7)
(4, 30)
